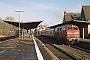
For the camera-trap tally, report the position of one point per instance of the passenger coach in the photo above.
(69, 33)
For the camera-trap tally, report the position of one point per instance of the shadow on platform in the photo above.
(7, 38)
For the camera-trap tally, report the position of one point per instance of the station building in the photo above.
(82, 20)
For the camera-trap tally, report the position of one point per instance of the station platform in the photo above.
(26, 49)
(85, 40)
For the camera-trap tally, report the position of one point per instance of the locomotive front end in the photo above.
(73, 34)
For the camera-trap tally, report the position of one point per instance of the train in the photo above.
(68, 33)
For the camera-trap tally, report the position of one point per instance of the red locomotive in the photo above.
(69, 33)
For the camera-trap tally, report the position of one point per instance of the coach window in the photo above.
(60, 28)
(64, 28)
(57, 29)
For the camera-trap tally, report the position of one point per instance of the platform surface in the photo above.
(17, 49)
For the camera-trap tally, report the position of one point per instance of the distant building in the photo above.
(42, 27)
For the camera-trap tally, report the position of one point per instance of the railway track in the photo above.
(80, 48)
(83, 46)
(56, 51)
(69, 52)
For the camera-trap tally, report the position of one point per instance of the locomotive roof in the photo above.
(74, 22)
(25, 25)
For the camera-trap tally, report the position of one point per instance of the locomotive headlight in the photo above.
(69, 33)
(77, 35)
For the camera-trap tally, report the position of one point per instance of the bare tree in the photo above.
(11, 27)
(5, 28)
(9, 18)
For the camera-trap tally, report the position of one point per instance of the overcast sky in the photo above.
(50, 11)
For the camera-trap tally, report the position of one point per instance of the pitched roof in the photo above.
(68, 17)
(75, 16)
(71, 16)
(86, 10)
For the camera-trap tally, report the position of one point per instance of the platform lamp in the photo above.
(19, 20)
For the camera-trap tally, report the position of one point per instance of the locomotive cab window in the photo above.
(75, 28)
(69, 28)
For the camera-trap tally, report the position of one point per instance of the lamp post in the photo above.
(19, 20)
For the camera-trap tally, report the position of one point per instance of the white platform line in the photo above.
(39, 55)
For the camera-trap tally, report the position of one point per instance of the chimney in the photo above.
(65, 13)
